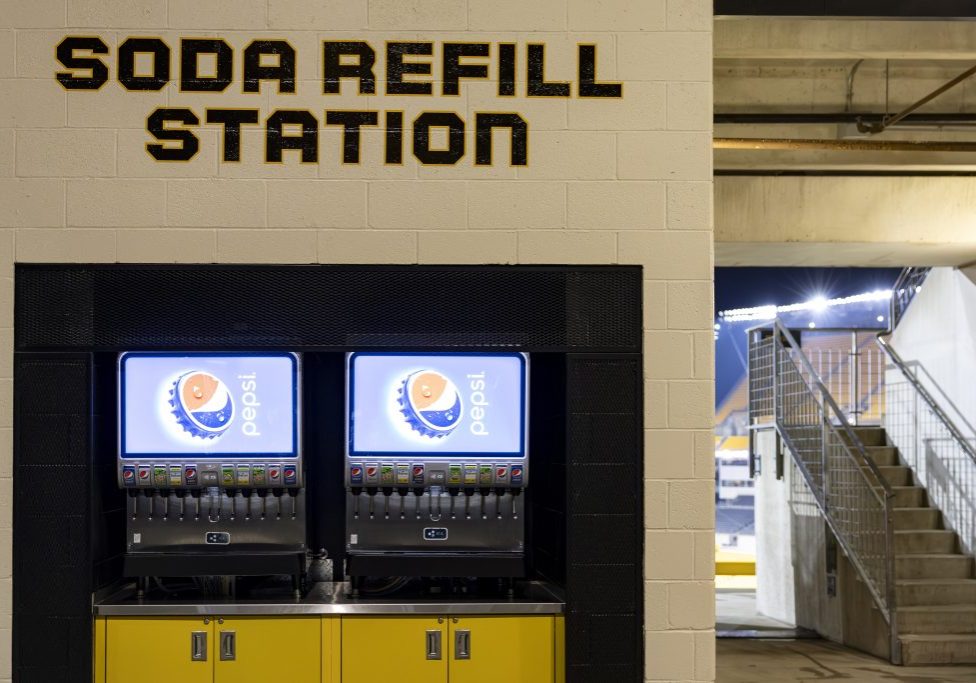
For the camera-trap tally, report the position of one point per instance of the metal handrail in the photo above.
(853, 449)
(844, 424)
(946, 421)
(884, 342)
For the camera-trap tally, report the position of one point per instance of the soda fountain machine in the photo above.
(210, 458)
(436, 464)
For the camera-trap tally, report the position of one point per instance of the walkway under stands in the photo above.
(787, 661)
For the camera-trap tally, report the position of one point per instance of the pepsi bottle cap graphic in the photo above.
(202, 404)
(430, 403)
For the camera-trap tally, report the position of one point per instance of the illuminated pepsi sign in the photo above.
(208, 405)
(437, 404)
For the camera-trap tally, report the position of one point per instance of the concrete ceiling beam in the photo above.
(844, 221)
(778, 38)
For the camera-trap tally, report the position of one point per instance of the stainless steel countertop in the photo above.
(333, 598)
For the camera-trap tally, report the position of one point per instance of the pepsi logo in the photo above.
(516, 471)
(128, 474)
(430, 403)
(289, 472)
(357, 471)
(143, 474)
(190, 472)
(501, 471)
(202, 404)
(273, 473)
(371, 471)
(417, 471)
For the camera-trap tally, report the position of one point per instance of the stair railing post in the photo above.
(824, 454)
(891, 588)
(776, 400)
(853, 382)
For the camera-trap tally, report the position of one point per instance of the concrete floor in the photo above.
(792, 661)
(736, 617)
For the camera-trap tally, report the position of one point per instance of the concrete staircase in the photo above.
(936, 584)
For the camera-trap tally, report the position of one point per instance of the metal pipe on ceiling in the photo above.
(842, 145)
(875, 127)
(955, 119)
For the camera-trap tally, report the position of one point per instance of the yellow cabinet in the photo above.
(158, 650)
(481, 649)
(262, 649)
(215, 649)
(513, 649)
(402, 649)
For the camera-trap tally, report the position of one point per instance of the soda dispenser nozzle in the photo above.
(232, 494)
(402, 492)
(372, 497)
(453, 493)
(485, 492)
(499, 498)
(263, 496)
(293, 494)
(419, 493)
(357, 492)
(277, 494)
(387, 493)
(133, 503)
(247, 493)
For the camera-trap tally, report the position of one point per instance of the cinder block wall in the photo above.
(608, 181)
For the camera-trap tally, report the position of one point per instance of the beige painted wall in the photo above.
(609, 182)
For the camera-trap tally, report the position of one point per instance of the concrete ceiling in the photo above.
(832, 206)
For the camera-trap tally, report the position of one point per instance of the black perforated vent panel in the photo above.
(528, 307)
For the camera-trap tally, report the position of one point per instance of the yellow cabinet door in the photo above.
(400, 649)
(262, 649)
(510, 649)
(159, 650)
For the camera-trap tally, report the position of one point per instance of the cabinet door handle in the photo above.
(434, 644)
(462, 644)
(228, 646)
(198, 646)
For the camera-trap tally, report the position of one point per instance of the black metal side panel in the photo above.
(848, 8)
(605, 539)
(52, 507)
(555, 308)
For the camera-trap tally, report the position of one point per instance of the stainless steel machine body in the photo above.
(433, 505)
(185, 510)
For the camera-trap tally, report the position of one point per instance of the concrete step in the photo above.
(869, 436)
(883, 455)
(934, 566)
(909, 497)
(937, 619)
(908, 519)
(917, 592)
(957, 648)
(896, 475)
(931, 542)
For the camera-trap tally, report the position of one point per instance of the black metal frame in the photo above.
(585, 526)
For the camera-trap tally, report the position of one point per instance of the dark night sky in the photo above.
(748, 287)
